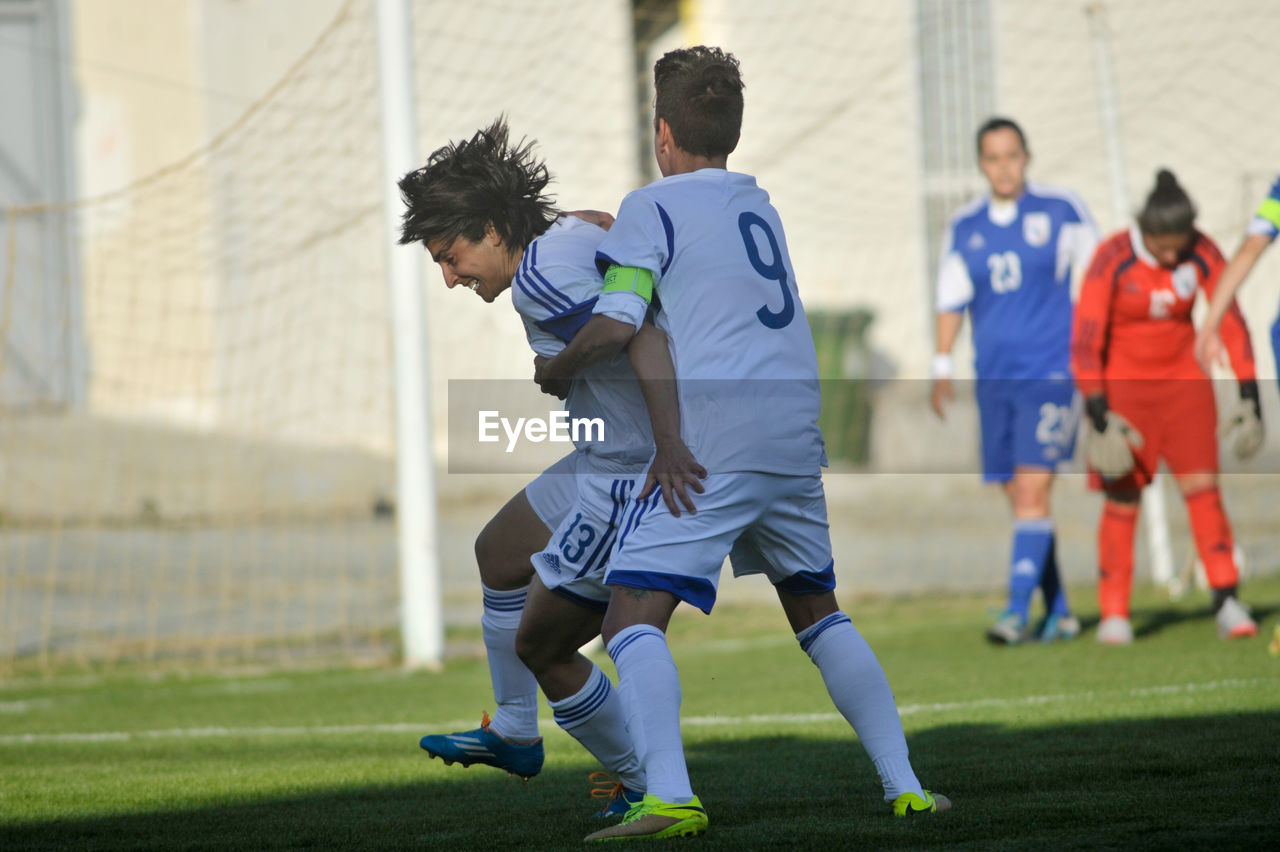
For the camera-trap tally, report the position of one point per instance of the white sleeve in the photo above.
(639, 237)
(955, 287)
(623, 307)
(542, 342)
(1076, 243)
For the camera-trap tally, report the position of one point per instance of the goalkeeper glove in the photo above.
(1109, 448)
(1246, 420)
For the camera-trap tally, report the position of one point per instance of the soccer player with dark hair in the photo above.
(1147, 398)
(706, 245)
(481, 209)
(1009, 260)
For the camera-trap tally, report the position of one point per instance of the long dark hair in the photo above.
(468, 185)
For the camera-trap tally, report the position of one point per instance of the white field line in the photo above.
(692, 721)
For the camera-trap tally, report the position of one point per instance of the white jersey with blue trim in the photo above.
(1266, 222)
(554, 291)
(1012, 264)
(746, 371)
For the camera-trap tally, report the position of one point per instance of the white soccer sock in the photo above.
(593, 716)
(649, 687)
(514, 687)
(861, 693)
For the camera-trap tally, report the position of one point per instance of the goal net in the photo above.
(196, 402)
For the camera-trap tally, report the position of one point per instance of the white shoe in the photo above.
(1009, 629)
(1115, 630)
(1234, 621)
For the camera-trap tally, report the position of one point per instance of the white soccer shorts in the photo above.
(555, 489)
(573, 562)
(767, 523)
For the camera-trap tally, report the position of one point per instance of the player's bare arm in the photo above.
(599, 218)
(674, 467)
(1209, 348)
(948, 329)
(599, 340)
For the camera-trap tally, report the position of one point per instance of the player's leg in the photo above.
(1143, 404)
(1215, 545)
(554, 626)
(503, 550)
(791, 545)
(996, 421)
(860, 690)
(1032, 538)
(509, 740)
(1115, 563)
(649, 688)
(657, 562)
(1046, 419)
(1192, 455)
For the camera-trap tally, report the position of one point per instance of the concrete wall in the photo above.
(831, 129)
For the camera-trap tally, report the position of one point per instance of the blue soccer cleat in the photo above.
(484, 746)
(1058, 628)
(620, 798)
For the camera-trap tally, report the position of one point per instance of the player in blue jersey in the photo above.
(707, 246)
(1009, 260)
(479, 208)
(1262, 231)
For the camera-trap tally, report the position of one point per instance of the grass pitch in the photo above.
(1173, 742)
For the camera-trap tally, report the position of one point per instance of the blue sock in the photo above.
(1032, 541)
(1055, 594)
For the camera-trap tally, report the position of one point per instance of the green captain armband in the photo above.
(1270, 210)
(629, 279)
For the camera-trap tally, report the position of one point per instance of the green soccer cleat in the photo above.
(620, 799)
(909, 804)
(653, 818)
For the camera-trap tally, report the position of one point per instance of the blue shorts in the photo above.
(1275, 345)
(1026, 423)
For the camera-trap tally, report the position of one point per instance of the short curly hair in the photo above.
(466, 186)
(698, 90)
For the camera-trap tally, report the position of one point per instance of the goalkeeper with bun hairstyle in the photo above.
(1147, 399)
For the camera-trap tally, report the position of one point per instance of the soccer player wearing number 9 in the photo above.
(706, 245)
(1009, 260)
(1148, 399)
